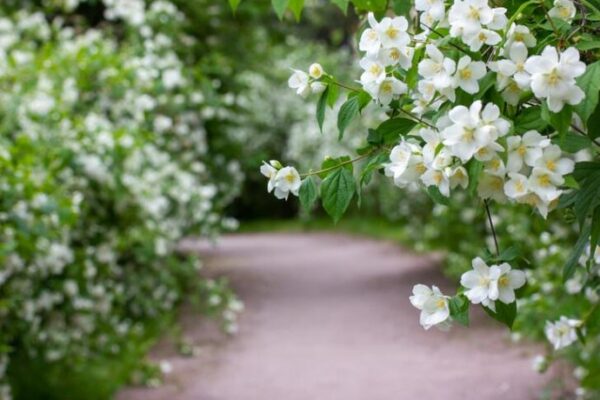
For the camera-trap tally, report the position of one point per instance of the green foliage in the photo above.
(337, 190)
(308, 193)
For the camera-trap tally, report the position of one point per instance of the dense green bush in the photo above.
(106, 165)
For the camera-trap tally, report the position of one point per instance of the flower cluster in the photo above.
(106, 166)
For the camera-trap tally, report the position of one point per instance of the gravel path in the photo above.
(328, 318)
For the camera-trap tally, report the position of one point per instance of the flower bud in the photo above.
(315, 71)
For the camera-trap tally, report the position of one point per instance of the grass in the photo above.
(377, 228)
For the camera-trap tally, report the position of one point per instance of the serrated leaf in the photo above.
(586, 45)
(308, 193)
(530, 119)
(391, 129)
(296, 6)
(577, 251)
(595, 228)
(505, 313)
(332, 95)
(321, 108)
(589, 82)
(571, 142)
(337, 190)
(348, 112)
(588, 196)
(330, 164)
(279, 6)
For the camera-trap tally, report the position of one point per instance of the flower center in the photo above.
(473, 13)
(553, 78)
(395, 54)
(441, 303)
(372, 35)
(290, 178)
(469, 134)
(522, 150)
(375, 69)
(503, 281)
(551, 165)
(392, 32)
(544, 180)
(386, 87)
(482, 36)
(519, 37)
(465, 73)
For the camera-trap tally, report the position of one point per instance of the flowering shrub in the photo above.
(105, 167)
(491, 99)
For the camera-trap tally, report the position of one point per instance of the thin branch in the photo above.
(450, 43)
(489, 215)
(583, 133)
(420, 120)
(362, 157)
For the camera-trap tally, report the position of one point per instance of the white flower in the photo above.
(287, 180)
(487, 284)
(406, 165)
(469, 132)
(458, 176)
(315, 71)
(491, 186)
(392, 32)
(299, 81)
(517, 186)
(525, 149)
(370, 41)
(438, 70)
(318, 87)
(553, 77)
(518, 34)
(437, 178)
(467, 16)
(387, 90)
(433, 305)
(544, 184)
(509, 280)
(562, 333)
(468, 72)
(563, 9)
(434, 8)
(374, 71)
(270, 172)
(551, 160)
(477, 39)
(512, 68)
(482, 283)
(394, 56)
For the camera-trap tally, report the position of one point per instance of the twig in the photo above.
(489, 215)
(338, 165)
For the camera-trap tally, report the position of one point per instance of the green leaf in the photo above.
(560, 121)
(402, 7)
(392, 129)
(589, 82)
(588, 196)
(337, 190)
(595, 228)
(348, 112)
(296, 6)
(509, 254)
(375, 162)
(437, 196)
(321, 108)
(577, 251)
(474, 169)
(279, 6)
(505, 313)
(234, 4)
(308, 193)
(571, 142)
(485, 84)
(530, 119)
(586, 45)
(332, 95)
(459, 309)
(342, 4)
(370, 5)
(332, 163)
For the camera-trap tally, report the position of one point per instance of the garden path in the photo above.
(328, 318)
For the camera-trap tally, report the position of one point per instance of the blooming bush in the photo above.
(490, 100)
(106, 165)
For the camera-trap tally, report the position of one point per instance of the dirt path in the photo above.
(328, 318)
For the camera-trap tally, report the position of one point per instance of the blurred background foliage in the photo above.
(96, 94)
